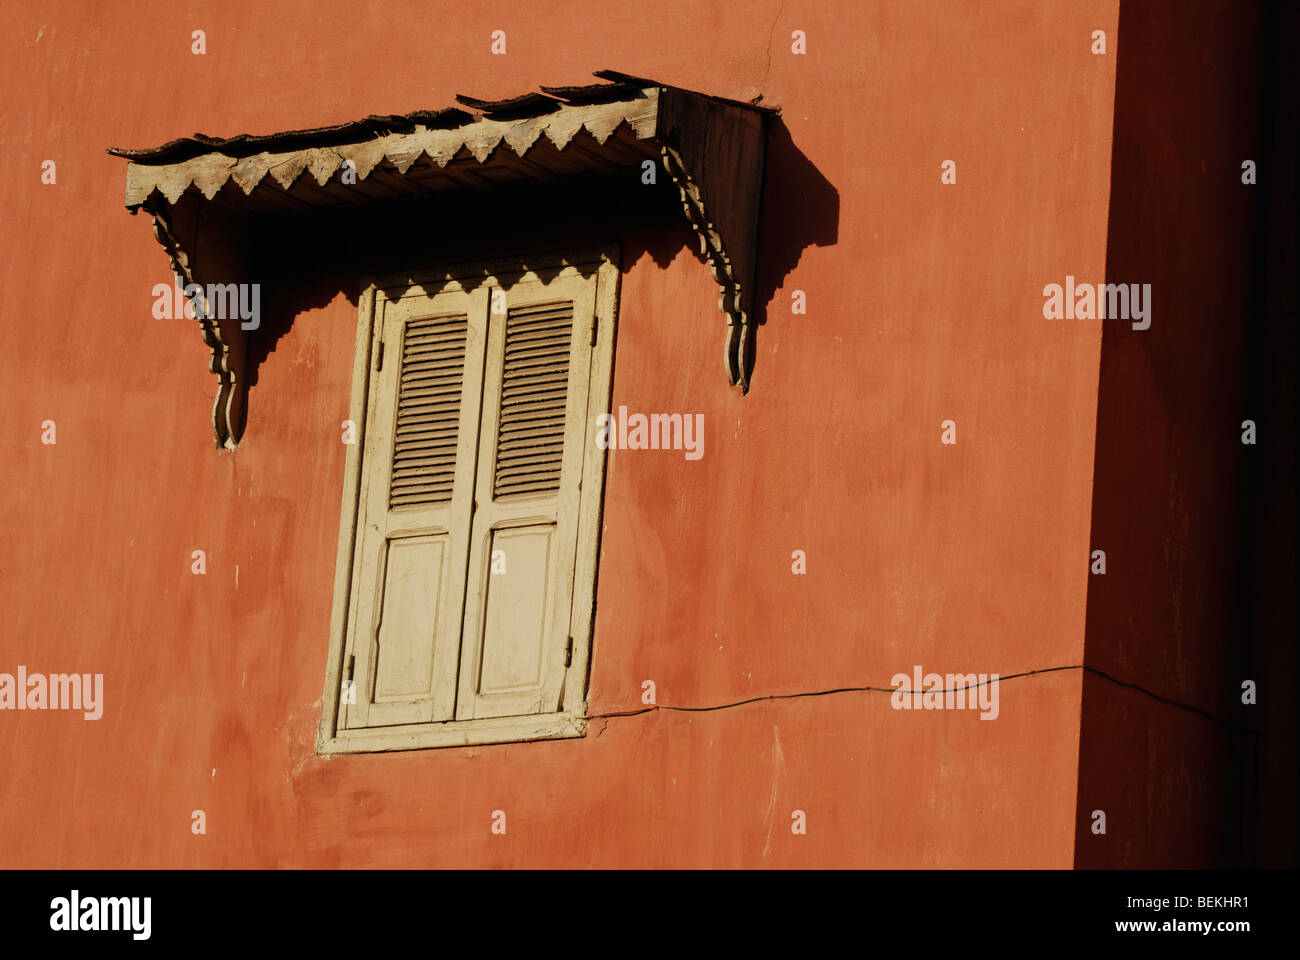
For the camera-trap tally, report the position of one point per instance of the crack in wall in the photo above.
(891, 690)
(771, 33)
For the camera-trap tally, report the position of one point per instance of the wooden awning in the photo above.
(712, 147)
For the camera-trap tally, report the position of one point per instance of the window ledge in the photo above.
(455, 733)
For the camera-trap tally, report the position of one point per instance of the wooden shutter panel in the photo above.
(417, 497)
(536, 377)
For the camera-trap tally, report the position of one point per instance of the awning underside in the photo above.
(712, 148)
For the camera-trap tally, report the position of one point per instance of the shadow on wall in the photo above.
(312, 258)
(800, 209)
(1197, 527)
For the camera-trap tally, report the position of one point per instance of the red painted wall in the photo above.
(926, 306)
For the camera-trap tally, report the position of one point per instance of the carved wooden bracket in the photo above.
(714, 151)
(224, 337)
(712, 148)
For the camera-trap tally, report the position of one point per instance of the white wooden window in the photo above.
(471, 508)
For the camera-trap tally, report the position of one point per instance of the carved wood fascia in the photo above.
(209, 173)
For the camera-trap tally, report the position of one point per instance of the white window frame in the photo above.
(570, 720)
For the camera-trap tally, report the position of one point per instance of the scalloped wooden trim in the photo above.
(211, 171)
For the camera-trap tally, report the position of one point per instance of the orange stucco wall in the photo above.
(924, 303)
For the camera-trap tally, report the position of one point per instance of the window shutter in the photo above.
(478, 450)
(516, 639)
(417, 495)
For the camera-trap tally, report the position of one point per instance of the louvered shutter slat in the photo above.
(534, 379)
(428, 411)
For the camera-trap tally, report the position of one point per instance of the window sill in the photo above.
(455, 733)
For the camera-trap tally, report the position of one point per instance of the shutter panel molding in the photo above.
(517, 622)
(421, 430)
(476, 454)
